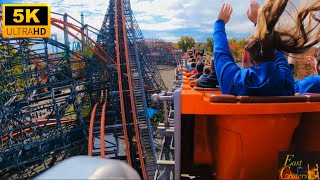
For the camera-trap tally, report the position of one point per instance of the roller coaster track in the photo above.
(137, 132)
(124, 121)
(56, 136)
(132, 100)
(100, 112)
(55, 22)
(40, 123)
(166, 49)
(116, 86)
(0, 18)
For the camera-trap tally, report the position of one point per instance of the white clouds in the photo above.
(172, 24)
(189, 14)
(93, 11)
(187, 5)
(170, 38)
(176, 17)
(144, 17)
(166, 19)
(241, 27)
(162, 8)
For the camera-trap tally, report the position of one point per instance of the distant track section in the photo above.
(46, 98)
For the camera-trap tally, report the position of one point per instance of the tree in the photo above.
(236, 48)
(175, 45)
(186, 42)
(209, 44)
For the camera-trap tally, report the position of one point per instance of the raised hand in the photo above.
(225, 12)
(252, 12)
(312, 61)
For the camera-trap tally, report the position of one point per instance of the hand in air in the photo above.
(225, 12)
(312, 62)
(252, 12)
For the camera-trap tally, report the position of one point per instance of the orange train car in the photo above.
(240, 138)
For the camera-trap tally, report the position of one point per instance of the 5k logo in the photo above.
(26, 21)
(19, 16)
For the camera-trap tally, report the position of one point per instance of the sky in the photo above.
(163, 19)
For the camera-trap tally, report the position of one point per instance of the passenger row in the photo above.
(266, 71)
(200, 72)
(240, 133)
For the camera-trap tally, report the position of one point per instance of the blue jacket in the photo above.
(267, 79)
(204, 77)
(210, 82)
(310, 84)
(188, 67)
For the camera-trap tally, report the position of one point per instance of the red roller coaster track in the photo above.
(56, 22)
(90, 141)
(120, 9)
(124, 29)
(102, 132)
(124, 123)
(52, 123)
(103, 56)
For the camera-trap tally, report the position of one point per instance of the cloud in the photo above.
(93, 11)
(167, 19)
(195, 16)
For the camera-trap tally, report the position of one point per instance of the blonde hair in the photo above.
(266, 38)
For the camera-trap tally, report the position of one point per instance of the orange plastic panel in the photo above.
(195, 102)
(243, 140)
(202, 151)
(307, 134)
(190, 74)
(243, 146)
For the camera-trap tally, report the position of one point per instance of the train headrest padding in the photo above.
(211, 89)
(193, 83)
(197, 88)
(225, 98)
(313, 97)
(272, 99)
(222, 98)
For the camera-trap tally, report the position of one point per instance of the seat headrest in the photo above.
(223, 98)
(271, 99)
(197, 88)
(313, 97)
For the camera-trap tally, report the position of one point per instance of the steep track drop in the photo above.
(115, 83)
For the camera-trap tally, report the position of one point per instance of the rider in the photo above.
(266, 71)
(310, 84)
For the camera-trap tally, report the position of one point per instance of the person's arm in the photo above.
(312, 61)
(310, 84)
(285, 70)
(187, 65)
(291, 62)
(225, 66)
(281, 60)
(252, 12)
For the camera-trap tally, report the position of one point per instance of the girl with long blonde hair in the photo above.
(266, 71)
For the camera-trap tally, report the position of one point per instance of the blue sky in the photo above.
(164, 19)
